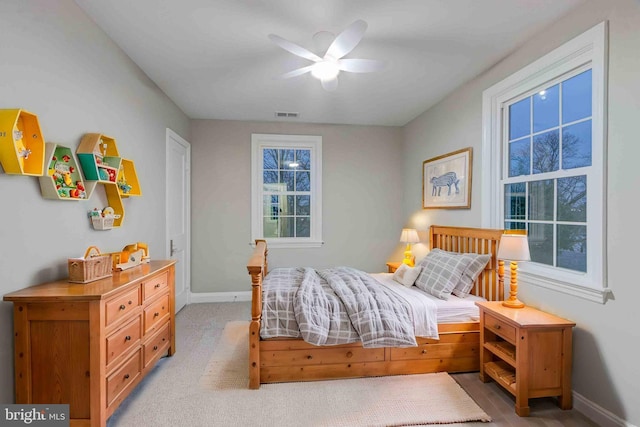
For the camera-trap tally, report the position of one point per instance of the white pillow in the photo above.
(406, 275)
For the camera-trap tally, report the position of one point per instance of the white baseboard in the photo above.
(199, 297)
(596, 413)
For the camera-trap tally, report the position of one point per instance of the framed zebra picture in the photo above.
(446, 181)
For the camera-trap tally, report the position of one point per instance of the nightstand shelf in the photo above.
(527, 352)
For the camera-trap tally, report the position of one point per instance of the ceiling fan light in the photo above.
(325, 70)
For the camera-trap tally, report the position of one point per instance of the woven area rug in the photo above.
(381, 401)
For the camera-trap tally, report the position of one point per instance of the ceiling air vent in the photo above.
(286, 115)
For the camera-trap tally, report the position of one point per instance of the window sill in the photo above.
(590, 294)
(271, 244)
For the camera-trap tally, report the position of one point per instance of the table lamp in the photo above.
(409, 236)
(513, 247)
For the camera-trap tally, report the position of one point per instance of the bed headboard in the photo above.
(490, 283)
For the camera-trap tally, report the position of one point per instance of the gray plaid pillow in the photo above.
(441, 272)
(477, 263)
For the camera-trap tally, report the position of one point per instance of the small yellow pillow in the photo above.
(406, 275)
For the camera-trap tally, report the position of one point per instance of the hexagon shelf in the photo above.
(63, 180)
(21, 143)
(101, 164)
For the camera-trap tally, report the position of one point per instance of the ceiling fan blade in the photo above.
(294, 48)
(361, 65)
(330, 84)
(347, 40)
(297, 72)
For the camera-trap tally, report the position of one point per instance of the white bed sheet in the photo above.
(452, 310)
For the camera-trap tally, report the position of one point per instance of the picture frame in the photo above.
(446, 180)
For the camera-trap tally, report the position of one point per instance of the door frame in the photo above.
(173, 136)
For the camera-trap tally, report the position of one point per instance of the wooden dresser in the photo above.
(88, 345)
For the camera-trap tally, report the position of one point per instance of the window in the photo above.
(544, 145)
(287, 190)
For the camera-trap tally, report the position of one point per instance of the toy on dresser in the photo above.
(131, 255)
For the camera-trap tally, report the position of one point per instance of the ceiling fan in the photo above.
(327, 68)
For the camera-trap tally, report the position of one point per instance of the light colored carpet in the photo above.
(382, 401)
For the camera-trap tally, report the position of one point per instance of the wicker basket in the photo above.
(94, 266)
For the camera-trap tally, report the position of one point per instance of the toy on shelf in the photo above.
(63, 180)
(128, 184)
(103, 219)
(21, 143)
(131, 256)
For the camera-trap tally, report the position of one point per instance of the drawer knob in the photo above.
(156, 314)
(424, 351)
(157, 285)
(155, 347)
(309, 357)
(126, 376)
(349, 354)
(497, 326)
(127, 338)
(122, 307)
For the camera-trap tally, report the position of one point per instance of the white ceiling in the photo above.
(214, 60)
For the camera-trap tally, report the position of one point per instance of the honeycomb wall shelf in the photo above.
(22, 147)
(62, 179)
(101, 164)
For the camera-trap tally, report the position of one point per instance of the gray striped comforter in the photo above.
(334, 306)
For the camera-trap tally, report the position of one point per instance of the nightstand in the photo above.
(527, 352)
(393, 266)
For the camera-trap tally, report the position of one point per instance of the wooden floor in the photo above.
(499, 404)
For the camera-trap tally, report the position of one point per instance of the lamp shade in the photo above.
(409, 235)
(514, 247)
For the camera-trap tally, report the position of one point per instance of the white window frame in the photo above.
(259, 142)
(588, 50)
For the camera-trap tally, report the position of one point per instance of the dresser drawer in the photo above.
(156, 345)
(156, 313)
(122, 305)
(123, 378)
(500, 328)
(123, 339)
(155, 286)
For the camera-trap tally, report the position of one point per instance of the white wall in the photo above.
(362, 200)
(57, 64)
(606, 336)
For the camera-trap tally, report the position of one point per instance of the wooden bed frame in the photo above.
(288, 359)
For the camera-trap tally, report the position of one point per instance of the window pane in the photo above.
(546, 109)
(576, 145)
(287, 225)
(286, 157)
(270, 158)
(286, 177)
(270, 227)
(270, 206)
(541, 243)
(302, 181)
(270, 180)
(303, 158)
(286, 205)
(303, 228)
(576, 97)
(572, 199)
(541, 200)
(514, 201)
(546, 151)
(572, 247)
(519, 157)
(519, 119)
(302, 205)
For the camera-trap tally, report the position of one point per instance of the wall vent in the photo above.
(286, 114)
